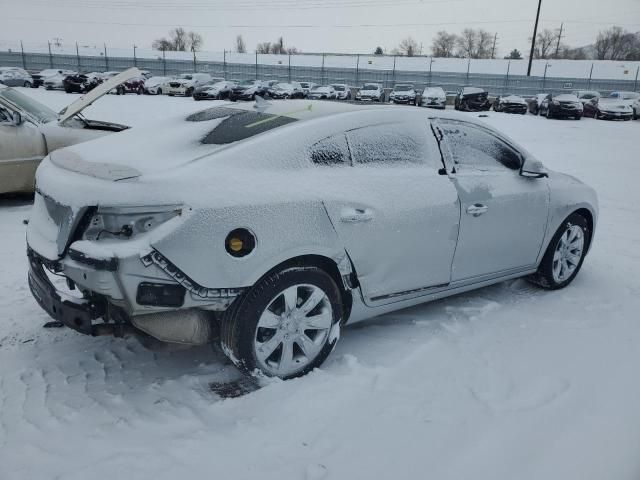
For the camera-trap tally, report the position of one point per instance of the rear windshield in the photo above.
(402, 88)
(237, 124)
(339, 88)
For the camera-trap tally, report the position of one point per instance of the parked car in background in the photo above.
(636, 109)
(286, 90)
(322, 92)
(563, 105)
(608, 109)
(343, 91)
(434, 97)
(249, 90)
(586, 95)
(510, 104)
(29, 131)
(80, 83)
(472, 99)
(15, 77)
(156, 85)
(217, 91)
(162, 247)
(371, 91)
(307, 86)
(535, 102)
(50, 74)
(133, 85)
(403, 93)
(108, 75)
(186, 83)
(627, 97)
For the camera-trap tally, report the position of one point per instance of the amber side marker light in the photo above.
(240, 242)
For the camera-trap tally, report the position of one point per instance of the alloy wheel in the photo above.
(293, 329)
(568, 253)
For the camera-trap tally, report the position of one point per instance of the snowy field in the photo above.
(506, 383)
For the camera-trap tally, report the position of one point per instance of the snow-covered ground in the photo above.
(508, 382)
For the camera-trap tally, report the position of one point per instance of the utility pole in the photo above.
(78, 57)
(533, 39)
(559, 38)
(135, 60)
(50, 56)
(493, 49)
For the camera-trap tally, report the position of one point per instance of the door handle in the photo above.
(356, 215)
(477, 209)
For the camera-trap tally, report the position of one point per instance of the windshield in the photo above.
(339, 88)
(246, 83)
(319, 89)
(186, 76)
(402, 88)
(370, 87)
(283, 86)
(32, 107)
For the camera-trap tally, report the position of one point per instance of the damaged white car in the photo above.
(280, 223)
(30, 130)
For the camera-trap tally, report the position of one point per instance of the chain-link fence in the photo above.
(286, 69)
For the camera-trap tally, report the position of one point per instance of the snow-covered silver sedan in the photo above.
(279, 223)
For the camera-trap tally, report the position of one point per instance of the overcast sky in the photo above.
(351, 26)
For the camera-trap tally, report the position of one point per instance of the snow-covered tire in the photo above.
(558, 250)
(258, 328)
(27, 84)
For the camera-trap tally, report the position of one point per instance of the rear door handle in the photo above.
(477, 209)
(356, 215)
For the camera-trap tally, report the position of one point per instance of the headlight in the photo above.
(126, 222)
(555, 102)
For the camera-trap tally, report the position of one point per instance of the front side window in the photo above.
(474, 148)
(393, 145)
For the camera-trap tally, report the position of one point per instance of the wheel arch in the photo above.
(330, 267)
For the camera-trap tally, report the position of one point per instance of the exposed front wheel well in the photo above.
(584, 212)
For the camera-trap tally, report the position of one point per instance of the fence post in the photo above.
(135, 60)
(357, 68)
(506, 80)
(322, 71)
(289, 68)
(24, 60)
(544, 78)
(78, 57)
(468, 68)
(591, 73)
(164, 63)
(224, 64)
(394, 70)
(430, 70)
(50, 56)
(635, 84)
(195, 65)
(106, 58)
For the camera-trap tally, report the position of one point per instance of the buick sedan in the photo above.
(279, 223)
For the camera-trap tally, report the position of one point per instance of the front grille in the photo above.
(175, 85)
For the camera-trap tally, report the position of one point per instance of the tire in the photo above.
(27, 84)
(635, 114)
(189, 92)
(548, 114)
(546, 277)
(140, 91)
(242, 338)
(159, 91)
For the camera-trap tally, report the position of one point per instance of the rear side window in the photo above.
(331, 151)
(473, 148)
(394, 144)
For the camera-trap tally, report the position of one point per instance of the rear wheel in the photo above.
(27, 84)
(284, 326)
(564, 256)
(159, 91)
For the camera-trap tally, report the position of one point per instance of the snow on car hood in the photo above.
(614, 105)
(566, 97)
(88, 98)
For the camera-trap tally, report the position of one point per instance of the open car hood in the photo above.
(90, 97)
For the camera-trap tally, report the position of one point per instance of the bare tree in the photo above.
(474, 43)
(617, 44)
(194, 41)
(240, 45)
(264, 47)
(484, 44)
(179, 40)
(545, 41)
(443, 44)
(277, 47)
(408, 47)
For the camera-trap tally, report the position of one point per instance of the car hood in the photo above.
(614, 105)
(90, 97)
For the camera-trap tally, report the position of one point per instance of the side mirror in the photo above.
(17, 119)
(532, 168)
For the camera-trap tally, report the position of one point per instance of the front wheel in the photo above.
(27, 84)
(285, 325)
(564, 256)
